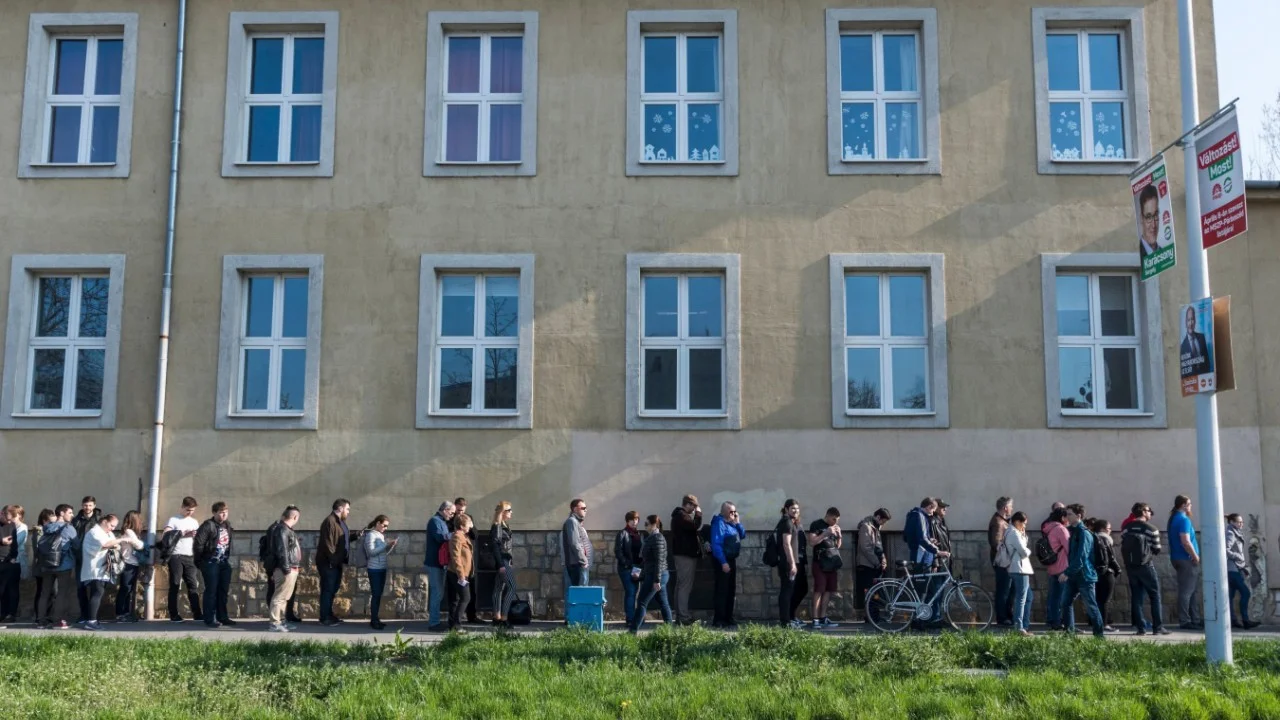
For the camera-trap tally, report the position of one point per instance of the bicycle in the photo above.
(893, 603)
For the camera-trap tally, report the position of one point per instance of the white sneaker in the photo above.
(277, 628)
(817, 624)
(797, 624)
(290, 626)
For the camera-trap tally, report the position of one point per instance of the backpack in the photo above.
(520, 613)
(1004, 555)
(1045, 554)
(357, 556)
(264, 546)
(1133, 547)
(771, 555)
(49, 551)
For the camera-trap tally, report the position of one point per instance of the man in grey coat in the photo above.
(575, 548)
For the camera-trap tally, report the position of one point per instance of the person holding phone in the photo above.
(726, 544)
(626, 556)
(825, 539)
(376, 549)
(182, 563)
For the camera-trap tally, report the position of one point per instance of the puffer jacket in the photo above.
(653, 556)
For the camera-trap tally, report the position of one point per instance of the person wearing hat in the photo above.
(939, 533)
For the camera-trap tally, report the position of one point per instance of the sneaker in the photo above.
(62, 625)
(123, 619)
(826, 623)
(80, 623)
(92, 625)
(1162, 631)
(177, 619)
(291, 626)
(329, 622)
(213, 625)
(796, 624)
(228, 622)
(1141, 631)
(277, 628)
(337, 620)
(292, 619)
(377, 625)
(1110, 629)
(816, 625)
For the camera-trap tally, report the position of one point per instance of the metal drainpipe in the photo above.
(166, 303)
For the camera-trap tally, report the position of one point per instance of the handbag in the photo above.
(521, 613)
(829, 560)
(1004, 556)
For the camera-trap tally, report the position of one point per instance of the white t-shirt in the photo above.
(184, 525)
(95, 556)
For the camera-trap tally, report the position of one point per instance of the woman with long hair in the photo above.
(1016, 549)
(1184, 551)
(376, 549)
(653, 575)
(792, 582)
(504, 585)
(15, 514)
(131, 534)
(1108, 570)
(45, 517)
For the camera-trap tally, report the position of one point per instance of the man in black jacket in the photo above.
(213, 557)
(686, 550)
(89, 517)
(1139, 544)
(284, 561)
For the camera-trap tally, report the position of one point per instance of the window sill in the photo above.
(477, 415)
(683, 416)
(873, 414)
(73, 165)
(465, 163)
(57, 416)
(1088, 414)
(252, 164)
(682, 163)
(872, 161)
(265, 416)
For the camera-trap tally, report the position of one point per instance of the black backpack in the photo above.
(264, 545)
(771, 555)
(165, 545)
(1045, 553)
(49, 551)
(521, 613)
(1133, 547)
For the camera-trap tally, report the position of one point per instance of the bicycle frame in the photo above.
(938, 593)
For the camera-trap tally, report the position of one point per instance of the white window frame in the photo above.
(884, 265)
(682, 343)
(286, 99)
(642, 265)
(682, 98)
(236, 269)
(1128, 22)
(44, 30)
(1149, 342)
(20, 344)
(923, 22)
(886, 343)
(275, 344)
(430, 343)
(681, 24)
(244, 27)
(440, 27)
(1096, 342)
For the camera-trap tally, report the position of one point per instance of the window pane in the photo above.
(902, 137)
(862, 371)
(706, 307)
(659, 65)
(106, 128)
(858, 131)
(264, 133)
(502, 307)
(455, 379)
(294, 322)
(1108, 130)
(1075, 378)
(500, 378)
(110, 59)
(506, 64)
(304, 135)
(661, 303)
(260, 306)
(458, 306)
(660, 133)
(64, 136)
(900, 63)
(906, 306)
(68, 77)
(47, 371)
(89, 373)
(704, 132)
(53, 313)
(1064, 61)
(462, 133)
(504, 133)
(910, 384)
(862, 305)
(705, 379)
(268, 66)
(257, 371)
(1065, 118)
(703, 59)
(660, 379)
(1104, 62)
(94, 293)
(856, 65)
(464, 65)
(1121, 365)
(1073, 305)
(293, 378)
(1116, 298)
(308, 66)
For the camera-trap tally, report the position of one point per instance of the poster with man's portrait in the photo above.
(1195, 351)
(1153, 207)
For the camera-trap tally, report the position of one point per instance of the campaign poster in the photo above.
(1220, 174)
(1195, 352)
(1152, 206)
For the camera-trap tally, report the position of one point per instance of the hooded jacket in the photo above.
(1080, 555)
(68, 533)
(916, 533)
(1060, 541)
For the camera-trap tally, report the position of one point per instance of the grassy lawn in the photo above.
(684, 673)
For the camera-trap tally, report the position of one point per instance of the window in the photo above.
(475, 352)
(682, 92)
(63, 341)
(1090, 89)
(882, 87)
(269, 365)
(78, 103)
(1104, 342)
(682, 350)
(281, 94)
(482, 93)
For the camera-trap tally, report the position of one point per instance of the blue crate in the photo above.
(588, 616)
(586, 595)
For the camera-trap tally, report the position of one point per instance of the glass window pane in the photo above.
(906, 306)
(54, 309)
(704, 132)
(500, 378)
(308, 66)
(910, 383)
(862, 305)
(862, 373)
(1064, 61)
(858, 133)
(660, 379)
(504, 133)
(502, 306)
(1116, 300)
(661, 303)
(89, 374)
(659, 133)
(257, 372)
(900, 63)
(260, 306)
(706, 307)
(659, 64)
(94, 294)
(1108, 130)
(106, 128)
(857, 69)
(293, 379)
(1064, 119)
(455, 379)
(506, 64)
(1075, 378)
(1073, 305)
(304, 134)
(702, 55)
(294, 322)
(464, 65)
(462, 133)
(268, 66)
(705, 379)
(1121, 366)
(264, 133)
(47, 370)
(1104, 62)
(68, 73)
(902, 136)
(110, 60)
(64, 136)
(458, 306)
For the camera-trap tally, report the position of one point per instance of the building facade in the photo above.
(618, 251)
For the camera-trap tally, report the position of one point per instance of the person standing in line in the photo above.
(1107, 566)
(916, 532)
(58, 567)
(1081, 576)
(45, 517)
(941, 535)
(1238, 573)
(626, 556)
(131, 544)
(870, 563)
(212, 548)
(461, 553)
(1139, 544)
(1015, 556)
(504, 586)
(436, 561)
(789, 536)
(825, 541)
(726, 543)
(94, 574)
(17, 515)
(10, 569)
(90, 516)
(1057, 614)
(291, 619)
(376, 550)
(1185, 553)
(575, 549)
(332, 551)
(460, 508)
(284, 562)
(654, 575)
(182, 565)
(996, 530)
(686, 551)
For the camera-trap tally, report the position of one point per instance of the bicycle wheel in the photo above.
(890, 605)
(968, 607)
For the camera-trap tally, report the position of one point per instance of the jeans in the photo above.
(1238, 584)
(10, 576)
(127, 591)
(182, 570)
(646, 594)
(1020, 591)
(217, 582)
(93, 592)
(1088, 593)
(377, 581)
(1143, 580)
(330, 581)
(628, 593)
(435, 594)
(686, 572)
(573, 577)
(726, 591)
(461, 595)
(1006, 605)
(451, 589)
(1188, 591)
(1058, 615)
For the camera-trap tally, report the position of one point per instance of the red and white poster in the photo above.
(1220, 170)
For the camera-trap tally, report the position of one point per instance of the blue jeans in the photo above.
(217, 581)
(1087, 592)
(573, 577)
(435, 594)
(377, 581)
(1236, 583)
(1054, 610)
(646, 594)
(628, 593)
(1021, 593)
(330, 581)
(1004, 598)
